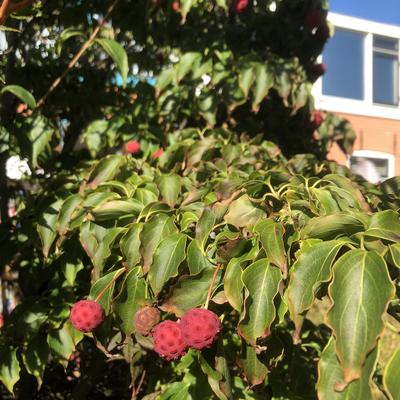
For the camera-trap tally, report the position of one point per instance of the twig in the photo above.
(78, 55)
(137, 390)
(4, 11)
(8, 8)
(211, 285)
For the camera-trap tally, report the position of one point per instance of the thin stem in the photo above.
(137, 390)
(78, 55)
(211, 286)
(116, 276)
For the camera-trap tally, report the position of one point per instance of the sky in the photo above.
(386, 11)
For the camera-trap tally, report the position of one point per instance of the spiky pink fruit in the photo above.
(200, 327)
(132, 147)
(158, 153)
(240, 5)
(86, 315)
(145, 319)
(168, 341)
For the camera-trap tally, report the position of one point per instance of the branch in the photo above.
(78, 55)
(8, 8)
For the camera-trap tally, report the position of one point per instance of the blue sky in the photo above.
(387, 11)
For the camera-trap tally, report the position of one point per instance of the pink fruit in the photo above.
(86, 315)
(240, 5)
(318, 69)
(158, 153)
(317, 120)
(200, 328)
(168, 341)
(175, 5)
(132, 147)
(145, 319)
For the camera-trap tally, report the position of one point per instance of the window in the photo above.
(344, 56)
(386, 70)
(374, 166)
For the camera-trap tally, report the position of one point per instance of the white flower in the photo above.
(173, 58)
(206, 79)
(3, 41)
(17, 167)
(272, 6)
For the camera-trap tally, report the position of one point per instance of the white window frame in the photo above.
(379, 155)
(367, 106)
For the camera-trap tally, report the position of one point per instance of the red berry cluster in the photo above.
(86, 315)
(197, 329)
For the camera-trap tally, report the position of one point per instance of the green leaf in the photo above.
(164, 79)
(360, 291)
(116, 209)
(68, 207)
(67, 34)
(130, 245)
(186, 63)
(325, 201)
(254, 370)
(9, 368)
(394, 252)
(34, 137)
(46, 226)
(246, 78)
(242, 213)
(106, 169)
(62, 342)
(205, 226)
(330, 376)
(391, 379)
(170, 188)
(261, 281)
(333, 226)
(312, 267)
(214, 378)
(208, 105)
(101, 284)
(154, 230)
(130, 299)
(263, 83)
(97, 242)
(384, 225)
(185, 6)
(167, 258)
(271, 237)
(118, 54)
(36, 356)
(196, 259)
(21, 93)
(233, 284)
(189, 292)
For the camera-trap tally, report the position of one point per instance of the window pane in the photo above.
(386, 43)
(344, 57)
(385, 79)
(371, 168)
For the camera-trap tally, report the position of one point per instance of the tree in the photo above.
(176, 162)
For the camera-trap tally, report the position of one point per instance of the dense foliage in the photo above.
(240, 212)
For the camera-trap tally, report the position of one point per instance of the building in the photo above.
(361, 84)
